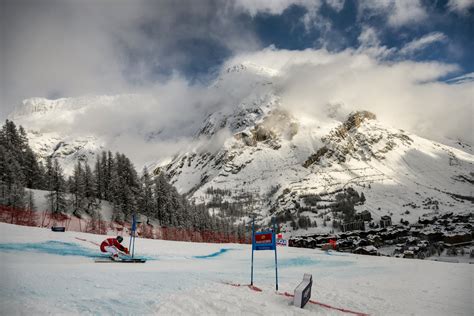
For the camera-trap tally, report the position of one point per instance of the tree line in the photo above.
(111, 178)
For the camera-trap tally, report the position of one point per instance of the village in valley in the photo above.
(441, 237)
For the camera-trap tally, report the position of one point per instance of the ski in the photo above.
(125, 260)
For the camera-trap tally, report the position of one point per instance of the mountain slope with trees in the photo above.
(112, 178)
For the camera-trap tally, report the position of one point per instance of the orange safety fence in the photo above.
(26, 217)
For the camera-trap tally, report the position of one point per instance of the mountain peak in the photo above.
(355, 119)
(41, 106)
(250, 67)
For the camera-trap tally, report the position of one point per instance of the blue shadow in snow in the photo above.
(307, 261)
(214, 254)
(53, 247)
(335, 254)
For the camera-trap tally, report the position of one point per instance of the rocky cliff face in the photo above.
(348, 141)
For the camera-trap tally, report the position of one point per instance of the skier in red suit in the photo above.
(112, 246)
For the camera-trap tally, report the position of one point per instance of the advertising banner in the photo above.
(264, 241)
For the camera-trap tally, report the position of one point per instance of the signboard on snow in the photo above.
(264, 241)
(303, 291)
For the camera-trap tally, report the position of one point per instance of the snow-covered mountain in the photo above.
(276, 161)
(51, 126)
(260, 155)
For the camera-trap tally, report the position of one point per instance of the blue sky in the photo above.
(288, 31)
(334, 29)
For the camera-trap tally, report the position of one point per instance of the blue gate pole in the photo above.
(276, 261)
(253, 237)
(134, 234)
(131, 235)
(133, 249)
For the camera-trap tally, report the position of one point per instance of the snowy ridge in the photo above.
(276, 159)
(46, 122)
(43, 106)
(67, 149)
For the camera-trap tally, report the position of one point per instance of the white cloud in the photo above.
(313, 20)
(368, 37)
(423, 42)
(370, 44)
(78, 50)
(275, 7)
(398, 12)
(469, 77)
(337, 5)
(461, 6)
(70, 48)
(403, 94)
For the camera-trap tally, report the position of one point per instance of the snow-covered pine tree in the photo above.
(30, 201)
(31, 170)
(16, 195)
(57, 187)
(42, 170)
(77, 190)
(162, 200)
(114, 195)
(186, 211)
(175, 213)
(12, 179)
(146, 201)
(99, 178)
(108, 164)
(130, 187)
(90, 190)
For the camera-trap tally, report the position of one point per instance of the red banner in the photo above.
(263, 238)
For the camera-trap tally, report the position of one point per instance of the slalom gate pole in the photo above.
(134, 228)
(131, 235)
(276, 261)
(133, 248)
(253, 236)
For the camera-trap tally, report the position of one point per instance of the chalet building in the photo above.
(385, 221)
(363, 216)
(427, 221)
(358, 225)
(457, 238)
(367, 250)
(432, 236)
(375, 240)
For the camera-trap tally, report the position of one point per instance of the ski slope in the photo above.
(43, 272)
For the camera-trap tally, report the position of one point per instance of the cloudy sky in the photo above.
(420, 51)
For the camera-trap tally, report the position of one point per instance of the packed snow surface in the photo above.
(43, 272)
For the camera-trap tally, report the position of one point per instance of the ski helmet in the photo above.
(119, 238)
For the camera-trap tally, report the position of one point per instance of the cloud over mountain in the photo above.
(172, 54)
